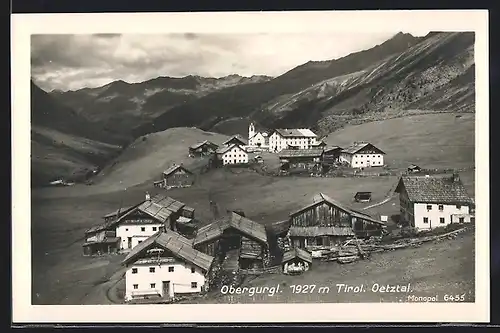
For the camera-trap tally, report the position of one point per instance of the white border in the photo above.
(370, 21)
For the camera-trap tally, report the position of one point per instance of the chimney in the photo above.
(456, 177)
(148, 197)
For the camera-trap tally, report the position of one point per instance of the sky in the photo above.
(72, 62)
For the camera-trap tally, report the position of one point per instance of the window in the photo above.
(134, 270)
(126, 229)
(461, 219)
(153, 285)
(440, 207)
(136, 286)
(194, 285)
(441, 220)
(139, 242)
(193, 270)
(154, 228)
(151, 269)
(171, 269)
(143, 228)
(429, 207)
(426, 220)
(459, 206)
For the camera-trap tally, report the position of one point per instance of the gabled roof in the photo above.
(236, 138)
(297, 253)
(111, 223)
(327, 149)
(413, 166)
(177, 244)
(287, 153)
(356, 147)
(174, 168)
(223, 150)
(320, 198)
(249, 228)
(434, 189)
(206, 142)
(122, 210)
(295, 133)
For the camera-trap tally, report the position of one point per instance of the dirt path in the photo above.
(105, 293)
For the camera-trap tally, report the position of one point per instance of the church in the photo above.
(257, 138)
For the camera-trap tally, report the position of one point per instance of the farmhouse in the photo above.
(233, 154)
(236, 236)
(296, 261)
(300, 158)
(257, 138)
(176, 176)
(204, 148)
(152, 215)
(301, 138)
(101, 239)
(362, 155)
(164, 266)
(235, 140)
(414, 169)
(326, 222)
(331, 155)
(427, 202)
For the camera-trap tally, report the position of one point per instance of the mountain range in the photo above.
(403, 75)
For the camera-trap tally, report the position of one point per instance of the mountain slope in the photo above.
(436, 74)
(63, 144)
(122, 106)
(243, 100)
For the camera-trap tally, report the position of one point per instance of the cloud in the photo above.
(70, 62)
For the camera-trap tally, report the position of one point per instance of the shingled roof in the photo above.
(175, 243)
(174, 168)
(249, 228)
(357, 146)
(223, 150)
(236, 137)
(206, 142)
(295, 132)
(321, 197)
(434, 189)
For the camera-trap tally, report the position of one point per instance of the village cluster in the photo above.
(170, 255)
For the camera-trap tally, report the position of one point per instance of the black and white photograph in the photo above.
(254, 160)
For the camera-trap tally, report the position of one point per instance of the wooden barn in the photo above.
(186, 223)
(296, 261)
(305, 159)
(331, 155)
(241, 239)
(176, 176)
(326, 222)
(201, 149)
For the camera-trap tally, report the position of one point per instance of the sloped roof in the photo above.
(295, 132)
(319, 198)
(178, 245)
(111, 223)
(174, 168)
(330, 148)
(122, 210)
(237, 137)
(223, 150)
(434, 189)
(246, 226)
(287, 153)
(206, 142)
(297, 253)
(280, 227)
(354, 148)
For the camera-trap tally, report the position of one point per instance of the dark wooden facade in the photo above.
(331, 155)
(180, 177)
(101, 242)
(203, 149)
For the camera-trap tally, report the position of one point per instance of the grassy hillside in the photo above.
(146, 158)
(430, 140)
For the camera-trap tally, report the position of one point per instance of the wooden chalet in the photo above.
(300, 158)
(201, 149)
(102, 239)
(326, 222)
(363, 196)
(235, 140)
(331, 154)
(241, 238)
(296, 261)
(176, 176)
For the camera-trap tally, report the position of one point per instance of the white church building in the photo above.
(279, 139)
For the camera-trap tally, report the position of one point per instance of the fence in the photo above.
(265, 270)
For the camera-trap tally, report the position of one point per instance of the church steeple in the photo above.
(251, 130)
